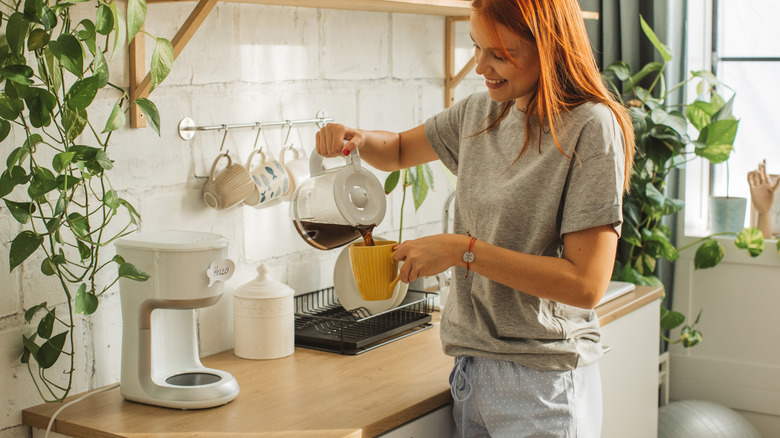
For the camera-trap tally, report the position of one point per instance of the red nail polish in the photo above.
(345, 151)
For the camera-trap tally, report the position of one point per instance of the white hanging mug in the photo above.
(297, 167)
(271, 181)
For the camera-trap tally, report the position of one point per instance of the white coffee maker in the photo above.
(160, 361)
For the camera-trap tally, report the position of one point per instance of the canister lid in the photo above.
(173, 240)
(263, 287)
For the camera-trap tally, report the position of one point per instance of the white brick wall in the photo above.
(246, 63)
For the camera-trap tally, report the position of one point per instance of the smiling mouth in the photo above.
(495, 81)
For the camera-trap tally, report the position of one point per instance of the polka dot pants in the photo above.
(501, 399)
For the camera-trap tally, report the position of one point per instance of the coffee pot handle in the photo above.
(315, 162)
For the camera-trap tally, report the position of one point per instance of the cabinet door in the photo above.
(629, 374)
(435, 424)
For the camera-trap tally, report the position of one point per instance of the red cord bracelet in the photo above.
(468, 256)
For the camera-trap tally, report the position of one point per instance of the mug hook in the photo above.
(224, 137)
(289, 130)
(257, 138)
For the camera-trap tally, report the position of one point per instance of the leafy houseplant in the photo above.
(664, 144)
(419, 178)
(56, 179)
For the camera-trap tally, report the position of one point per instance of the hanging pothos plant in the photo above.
(419, 178)
(56, 178)
(664, 143)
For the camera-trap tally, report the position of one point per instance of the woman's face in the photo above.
(505, 81)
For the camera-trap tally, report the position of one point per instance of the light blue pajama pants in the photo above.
(502, 399)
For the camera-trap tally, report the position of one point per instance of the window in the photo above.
(736, 40)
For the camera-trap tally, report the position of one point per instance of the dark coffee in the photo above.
(328, 236)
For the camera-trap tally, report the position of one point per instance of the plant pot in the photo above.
(727, 214)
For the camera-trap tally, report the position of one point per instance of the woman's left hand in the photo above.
(427, 256)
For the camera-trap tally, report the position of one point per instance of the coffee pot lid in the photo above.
(263, 287)
(359, 195)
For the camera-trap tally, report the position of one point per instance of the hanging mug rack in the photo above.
(188, 128)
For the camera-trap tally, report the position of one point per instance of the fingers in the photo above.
(336, 140)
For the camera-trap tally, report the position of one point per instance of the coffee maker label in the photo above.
(220, 270)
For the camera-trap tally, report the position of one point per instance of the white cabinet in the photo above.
(629, 374)
(435, 424)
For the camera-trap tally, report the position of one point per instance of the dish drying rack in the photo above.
(321, 323)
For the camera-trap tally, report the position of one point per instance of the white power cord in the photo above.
(57, 412)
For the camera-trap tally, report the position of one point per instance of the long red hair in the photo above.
(568, 72)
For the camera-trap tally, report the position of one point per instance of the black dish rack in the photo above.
(321, 323)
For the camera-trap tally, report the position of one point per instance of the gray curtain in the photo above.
(618, 35)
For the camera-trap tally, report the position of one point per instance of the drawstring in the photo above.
(460, 388)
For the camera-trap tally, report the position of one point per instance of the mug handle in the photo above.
(212, 177)
(290, 148)
(397, 278)
(252, 155)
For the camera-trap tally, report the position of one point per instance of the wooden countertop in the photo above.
(309, 394)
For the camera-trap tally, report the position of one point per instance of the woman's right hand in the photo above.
(336, 140)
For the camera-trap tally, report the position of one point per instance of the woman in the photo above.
(542, 160)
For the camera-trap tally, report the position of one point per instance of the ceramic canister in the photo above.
(263, 318)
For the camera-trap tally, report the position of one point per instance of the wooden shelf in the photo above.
(454, 10)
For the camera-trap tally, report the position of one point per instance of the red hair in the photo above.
(568, 73)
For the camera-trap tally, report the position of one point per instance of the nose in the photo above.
(482, 66)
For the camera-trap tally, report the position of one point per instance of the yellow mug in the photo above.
(376, 272)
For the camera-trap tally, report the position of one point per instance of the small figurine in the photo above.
(762, 194)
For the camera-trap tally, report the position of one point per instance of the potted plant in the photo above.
(668, 136)
(56, 179)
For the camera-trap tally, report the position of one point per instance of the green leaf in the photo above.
(33, 9)
(136, 15)
(716, 140)
(724, 113)
(392, 181)
(41, 104)
(20, 74)
(102, 159)
(30, 347)
(128, 270)
(86, 303)
(48, 19)
(30, 313)
(428, 172)
(111, 200)
(709, 254)
(53, 71)
(104, 20)
(162, 61)
(46, 325)
(23, 245)
(68, 52)
(100, 67)
(621, 70)
(43, 181)
(419, 188)
(50, 351)
(120, 31)
(82, 93)
(778, 246)
(700, 113)
(74, 122)
(134, 216)
(61, 161)
(752, 240)
(16, 32)
(116, 119)
(79, 225)
(661, 47)
(85, 252)
(87, 34)
(673, 120)
(690, 337)
(5, 129)
(670, 319)
(48, 267)
(150, 112)
(38, 39)
(21, 211)
(10, 107)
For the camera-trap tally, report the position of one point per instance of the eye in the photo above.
(497, 58)
(476, 47)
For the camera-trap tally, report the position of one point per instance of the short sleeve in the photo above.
(444, 134)
(593, 194)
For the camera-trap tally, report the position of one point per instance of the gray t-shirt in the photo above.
(527, 206)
